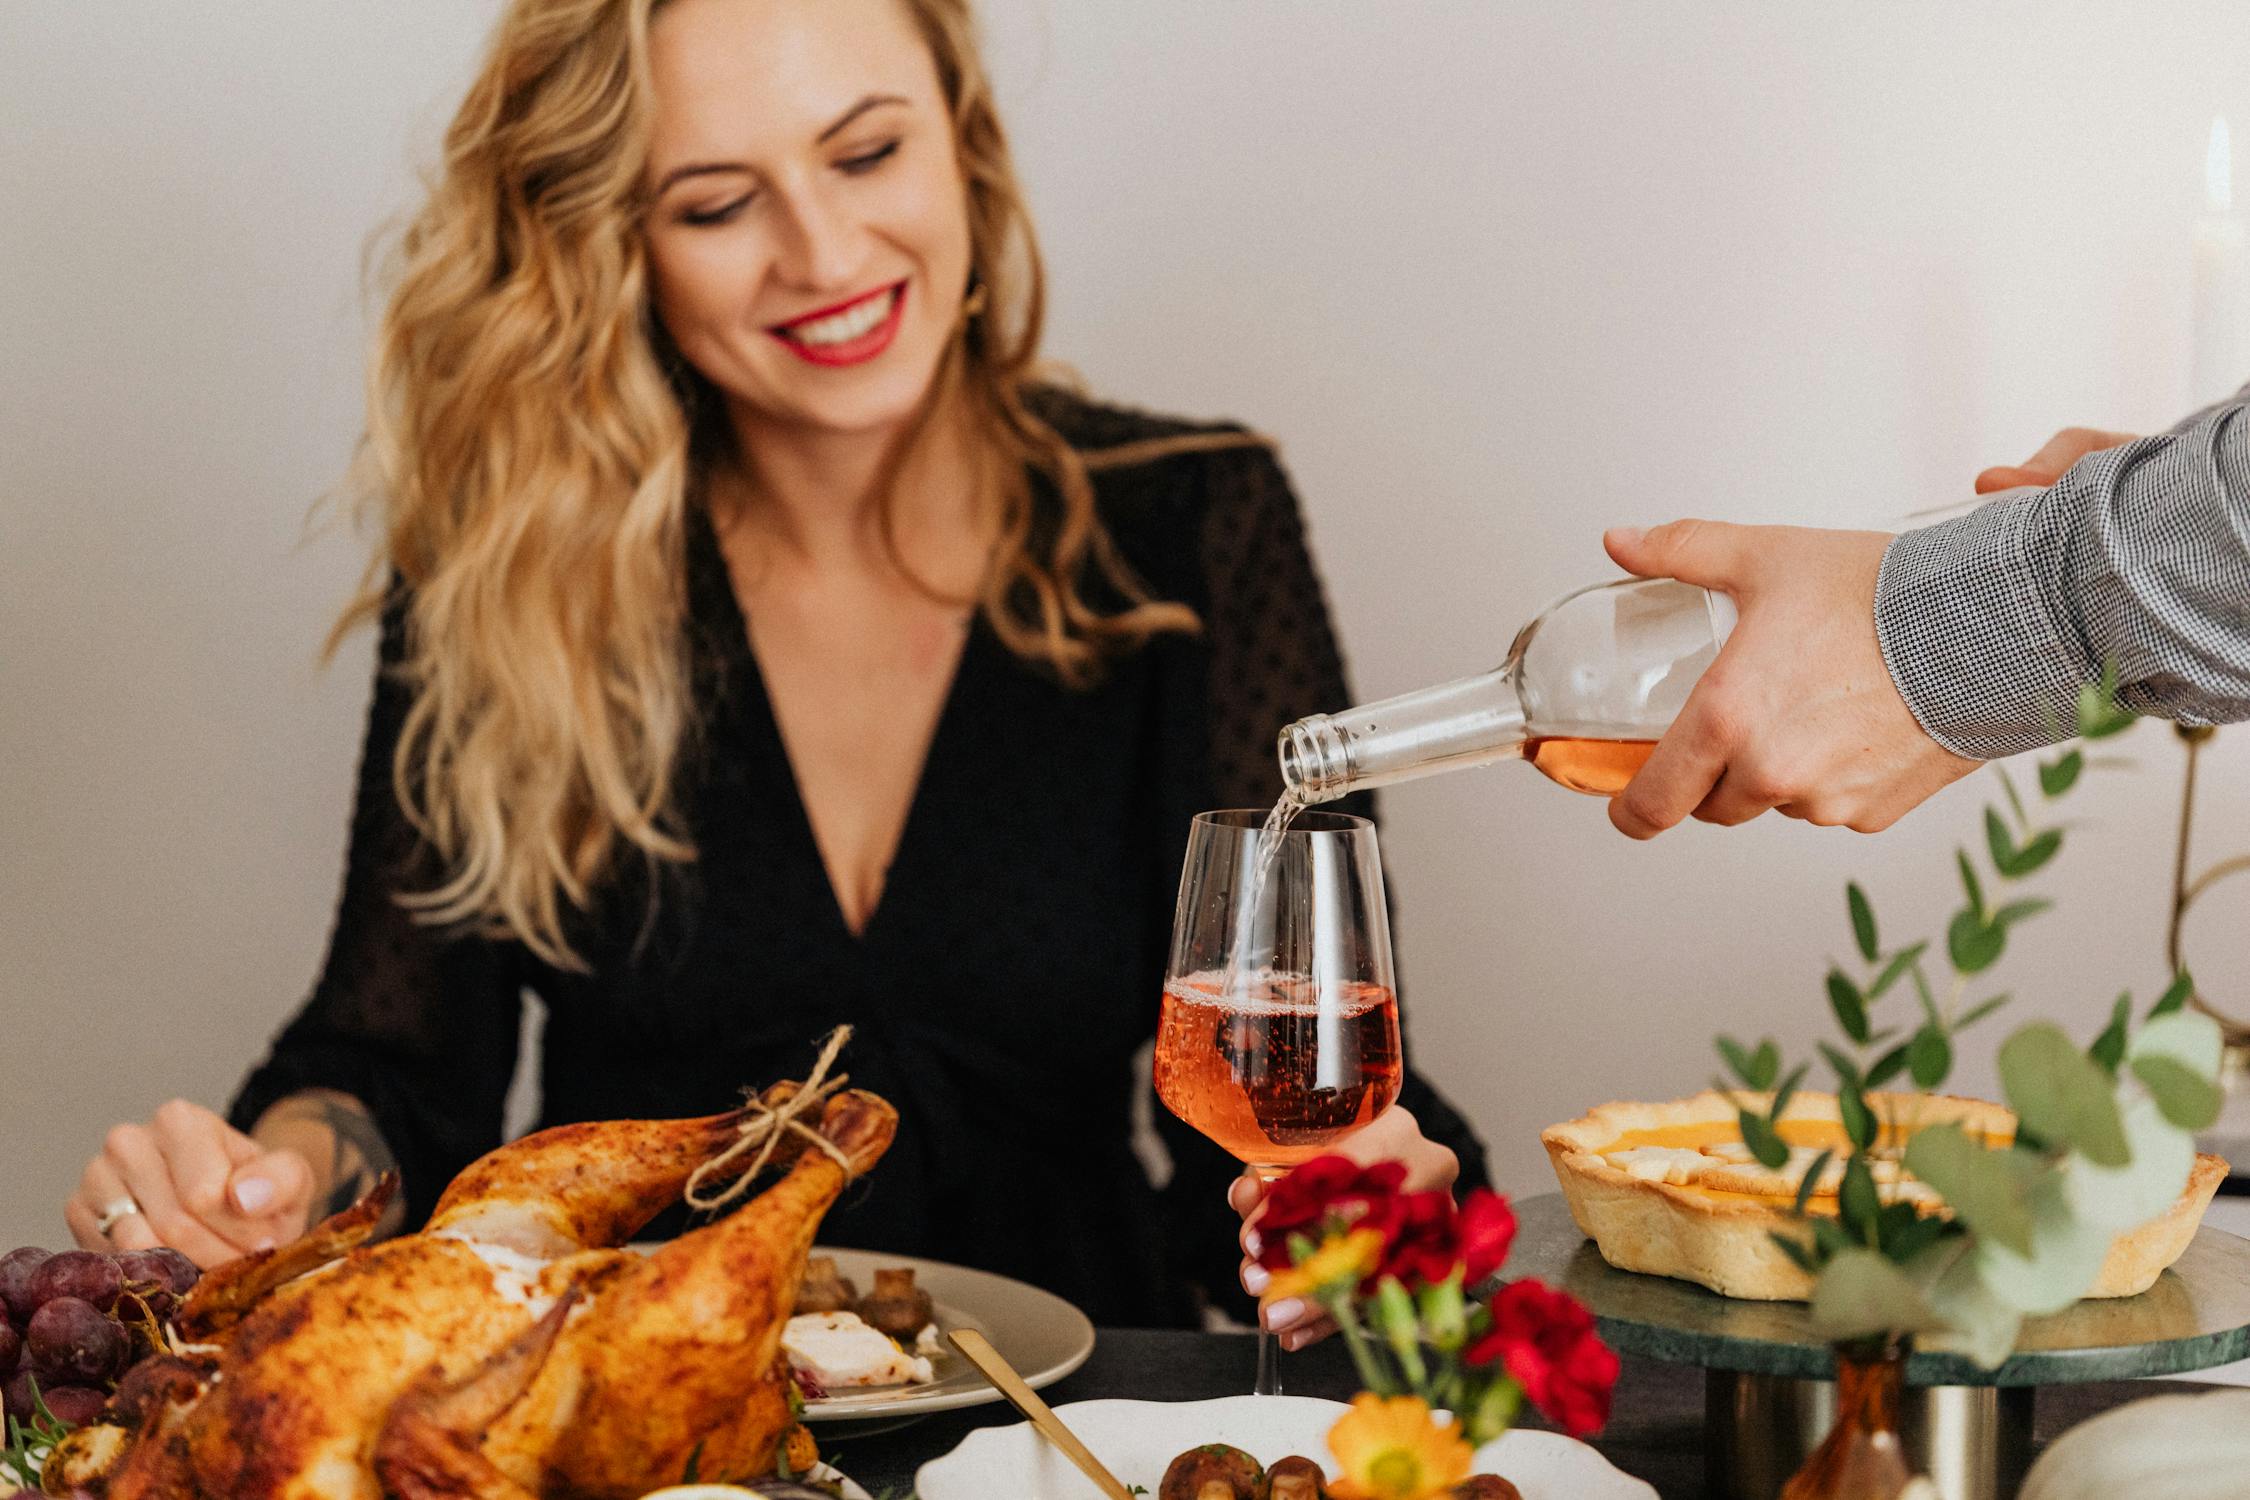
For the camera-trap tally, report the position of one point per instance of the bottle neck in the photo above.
(1472, 722)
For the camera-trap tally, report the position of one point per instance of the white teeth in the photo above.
(852, 323)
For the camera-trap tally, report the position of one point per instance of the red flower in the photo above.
(1488, 1229)
(1546, 1340)
(1325, 1189)
(1426, 1247)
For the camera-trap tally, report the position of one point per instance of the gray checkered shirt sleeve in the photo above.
(2139, 556)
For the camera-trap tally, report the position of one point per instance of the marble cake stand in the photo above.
(1768, 1391)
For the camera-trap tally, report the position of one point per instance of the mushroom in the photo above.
(897, 1306)
(1211, 1472)
(1294, 1478)
(823, 1290)
(1484, 1487)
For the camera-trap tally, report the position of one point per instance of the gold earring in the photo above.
(973, 305)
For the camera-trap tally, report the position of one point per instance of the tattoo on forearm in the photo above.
(358, 1155)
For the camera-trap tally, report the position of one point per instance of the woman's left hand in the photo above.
(1393, 1135)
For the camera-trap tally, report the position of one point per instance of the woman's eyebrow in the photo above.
(715, 168)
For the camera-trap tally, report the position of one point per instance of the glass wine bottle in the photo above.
(1584, 693)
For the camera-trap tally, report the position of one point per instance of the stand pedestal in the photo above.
(1768, 1395)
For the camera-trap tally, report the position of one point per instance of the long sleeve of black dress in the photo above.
(417, 1024)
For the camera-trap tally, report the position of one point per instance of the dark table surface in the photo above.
(1655, 1430)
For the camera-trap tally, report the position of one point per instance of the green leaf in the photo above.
(1979, 1011)
(1797, 1250)
(1988, 1190)
(1977, 1323)
(1847, 1072)
(1857, 1201)
(1765, 1064)
(2188, 1099)
(1929, 1057)
(2099, 714)
(1737, 1060)
(2015, 803)
(2061, 1095)
(1863, 921)
(1912, 1238)
(1772, 1153)
(1807, 1184)
(2058, 776)
(1973, 943)
(2109, 1047)
(2016, 911)
(1901, 961)
(1888, 1066)
(1850, 1007)
(1787, 1092)
(2036, 853)
(1861, 1294)
(1859, 1120)
(1969, 882)
(1999, 842)
(2175, 996)
(1829, 1239)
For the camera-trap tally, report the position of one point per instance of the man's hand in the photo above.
(1798, 713)
(2047, 465)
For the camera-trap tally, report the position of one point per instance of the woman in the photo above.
(762, 648)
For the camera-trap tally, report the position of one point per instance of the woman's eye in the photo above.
(719, 215)
(868, 161)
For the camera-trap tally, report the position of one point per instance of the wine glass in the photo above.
(1280, 1024)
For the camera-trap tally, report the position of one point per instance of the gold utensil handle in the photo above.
(978, 1351)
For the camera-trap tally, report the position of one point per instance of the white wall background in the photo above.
(1496, 274)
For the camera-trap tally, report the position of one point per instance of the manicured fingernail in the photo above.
(1285, 1312)
(264, 1245)
(1252, 1246)
(1254, 1279)
(253, 1194)
(1627, 536)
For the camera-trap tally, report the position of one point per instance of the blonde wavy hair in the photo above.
(534, 444)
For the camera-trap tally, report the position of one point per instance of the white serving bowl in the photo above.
(1137, 1440)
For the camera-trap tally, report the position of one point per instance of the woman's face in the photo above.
(809, 229)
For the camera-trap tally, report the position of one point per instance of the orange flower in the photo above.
(1393, 1450)
(1341, 1260)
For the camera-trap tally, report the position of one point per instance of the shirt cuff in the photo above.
(1969, 636)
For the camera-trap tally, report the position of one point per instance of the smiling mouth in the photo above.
(847, 331)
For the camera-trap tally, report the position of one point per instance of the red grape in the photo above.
(172, 1273)
(73, 1342)
(11, 1348)
(75, 1405)
(15, 1281)
(15, 1396)
(81, 1274)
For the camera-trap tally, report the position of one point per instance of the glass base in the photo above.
(1971, 1442)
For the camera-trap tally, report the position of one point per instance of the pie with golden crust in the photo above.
(1670, 1189)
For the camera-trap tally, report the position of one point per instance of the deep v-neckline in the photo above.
(757, 698)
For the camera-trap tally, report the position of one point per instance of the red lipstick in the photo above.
(852, 351)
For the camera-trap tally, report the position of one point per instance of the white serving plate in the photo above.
(1137, 1440)
(820, 1472)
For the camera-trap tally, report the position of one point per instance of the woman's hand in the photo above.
(2047, 465)
(189, 1180)
(1799, 713)
(1393, 1135)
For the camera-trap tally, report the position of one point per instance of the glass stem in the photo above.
(1268, 1381)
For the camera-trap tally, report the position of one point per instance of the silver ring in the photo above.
(115, 1209)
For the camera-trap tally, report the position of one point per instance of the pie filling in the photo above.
(1709, 1159)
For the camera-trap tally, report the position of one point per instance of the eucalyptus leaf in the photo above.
(1829, 1239)
(1851, 1008)
(1979, 1011)
(1787, 1092)
(2016, 911)
(2015, 802)
(1808, 1184)
(1738, 1060)
(1860, 1294)
(1999, 842)
(1978, 1325)
(2109, 1048)
(1888, 1066)
(2118, 1198)
(1972, 943)
(1856, 1200)
(1900, 962)
(2067, 1252)
(2058, 776)
(2042, 848)
(1863, 922)
(2189, 1037)
(2187, 1098)
(1765, 1064)
(2061, 1095)
(1797, 1250)
(2175, 996)
(1911, 1239)
(1770, 1150)
(1969, 882)
(1929, 1057)
(1859, 1120)
(1988, 1190)
(1847, 1072)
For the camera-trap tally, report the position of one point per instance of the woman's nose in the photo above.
(824, 246)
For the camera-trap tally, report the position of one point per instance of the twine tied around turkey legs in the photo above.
(762, 1131)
